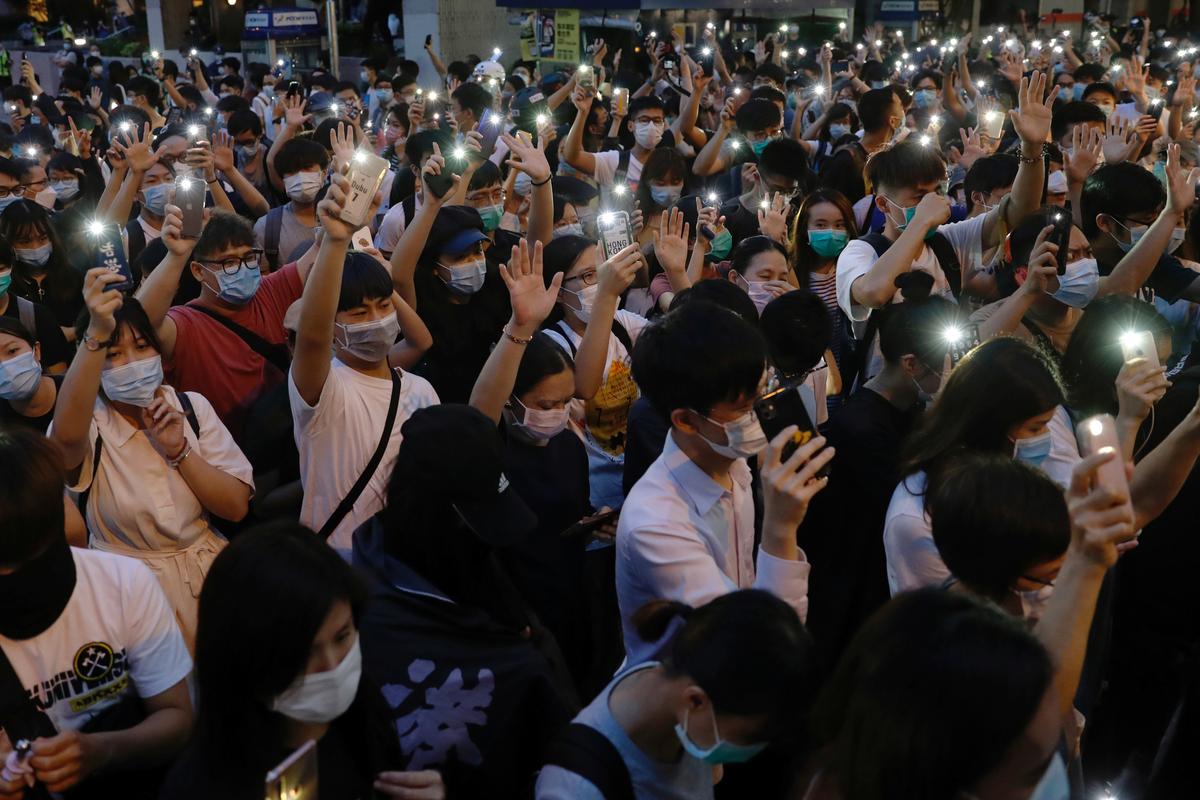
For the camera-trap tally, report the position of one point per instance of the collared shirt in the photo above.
(682, 536)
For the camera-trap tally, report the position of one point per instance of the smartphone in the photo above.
(110, 254)
(189, 196)
(296, 776)
(362, 238)
(440, 184)
(366, 175)
(585, 77)
(1061, 235)
(669, 64)
(615, 232)
(489, 127)
(1096, 435)
(590, 523)
(966, 341)
(840, 66)
(993, 123)
(428, 39)
(620, 101)
(782, 407)
(294, 89)
(1156, 108)
(1139, 344)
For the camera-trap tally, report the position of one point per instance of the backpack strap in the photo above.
(275, 354)
(621, 176)
(137, 238)
(27, 315)
(82, 500)
(1043, 340)
(618, 330)
(189, 412)
(271, 232)
(948, 261)
(589, 754)
(356, 490)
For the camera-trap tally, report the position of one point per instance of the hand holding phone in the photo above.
(615, 231)
(1098, 435)
(1061, 236)
(189, 196)
(366, 175)
(110, 254)
(782, 407)
(1139, 345)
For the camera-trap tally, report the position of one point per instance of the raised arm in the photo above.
(1041, 276)
(1031, 121)
(531, 159)
(412, 241)
(572, 146)
(140, 158)
(294, 119)
(711, 158)
(613, 277)
(223, 160)
(159, 287)
(438, 66)
(532, 301)
(1085, 151)
(876, 288)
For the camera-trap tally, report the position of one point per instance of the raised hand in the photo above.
(671, 244)
(102, 305)
(528, 158)
(1087, 144)
(1140, 384)
(95, 97)
(532, 301)
(1181, 183)
(1031, 118)
(1120, 141)
(329, 210)
(773, 220)
(1101, 517)
(164, 427)
(172, 233)
(293, 111)
(1041, 276)
(222, 152)
(973, 149)
(581, 98)
(789, 486)
(136, 149)
(341, 141)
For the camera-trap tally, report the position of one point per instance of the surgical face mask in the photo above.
(925, 98)
(587, 299)
(368, 341)
(1033, 604)
(1033, 450)
(322, 697)
(759, 147)
(573, 229)
(828, 243)
(541, 424)
(744, 437)
(465, 279)
(303, 186)
(5, 202)
(491, 216)
(722, 752)
(5, 282)
(1136, 232)
(909, 213)
(1106, 108)
(363, 76)
(35, 256)
(523, 184)
(665, 196)
(267, 91)
(1078, 285)
(97, 71)
(45, 198)
(248, 151)
(1077, 91)
(648, 134)
(721, 245)
(240, 287)
(19, 377)
(1177, 237)
(838, 131)
(878, 84)
(66, 189)
(759, 294)
(154, 198)
(384, 96)
(134, 383)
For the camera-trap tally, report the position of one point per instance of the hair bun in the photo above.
(915, 285)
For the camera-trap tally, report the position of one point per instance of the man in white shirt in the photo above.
(82, 631)
(686, 531)
(647, 122)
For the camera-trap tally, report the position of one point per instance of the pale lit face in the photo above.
(770, 265)
(333, 641)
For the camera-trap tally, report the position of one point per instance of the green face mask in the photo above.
(5, 282)
(909, 213)
(827, 243)
(491, 217)
(721, 245)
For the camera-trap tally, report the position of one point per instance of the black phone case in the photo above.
(1062, 237)
(783, 407)
(439, 184)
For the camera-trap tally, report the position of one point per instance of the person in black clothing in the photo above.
(782, 169)
(277, 664)
(54, 353)
(867, 433)
(27, 394)
(475, 686)
(41, 270)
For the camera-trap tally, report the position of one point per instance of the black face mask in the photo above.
(34, 596)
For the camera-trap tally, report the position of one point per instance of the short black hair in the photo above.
(474, 98)
(640, 104)
(363, 278)
(232, 103)
(541, 359)
(903, 165)
(787, 158)
(769, 93)
(223, 230)
(751, 246)
(298, 154)
(420, 144)
(696, 357)
(130, 313)
(873, 108)
(1073, 113)
(916, 326)
(1090, 72)
(235, 82)
(721, 293)
(140, 84)
(772, 72)
(485, 175)
(990, 173)
(1119, 190)
(18, 93)
(1101, 87)
(31, 492)
(241, 121)
(9, 167)
(757, 115)
(798, 331)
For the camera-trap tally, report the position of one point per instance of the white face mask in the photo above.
(1177, 237)
(587, 299)
(368, 341)
(303, 186)
(1079, 284)
(323, 696)
(572, 229)
(744, 435)
(45, 198)
(464, 279)
(648, 134)
(540, 424)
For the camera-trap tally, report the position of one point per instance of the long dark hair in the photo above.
(1094, 357)
(541, 359)
(661, 162)
(264, 599)
(925, 668)
(999, 384)
(23, 217)
(804, 259)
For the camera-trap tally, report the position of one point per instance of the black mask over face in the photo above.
(34, 596)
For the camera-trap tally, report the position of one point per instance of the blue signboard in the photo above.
(897, 11)
(282, 23)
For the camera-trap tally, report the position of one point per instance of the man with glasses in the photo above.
(10, 183)
(229, 343)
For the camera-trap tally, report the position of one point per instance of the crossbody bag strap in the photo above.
(273, 353)
(356, 490)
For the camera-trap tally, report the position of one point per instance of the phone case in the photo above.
(1098, 434)
(189, 196)
(964, 344)
(362, 238)
(296, 777)
(620, 102)
(490, 128)
(367, 172)
(1062, 236)
(440, 184)
(615, 232)
(586, 77)
(782, 407)
(1139, 344)
(110, 254)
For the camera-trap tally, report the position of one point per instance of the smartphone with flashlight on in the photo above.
(585, 77)
(296, 776)
(366, 175)
(489, 128)
(1097, 435)
(1061, 235)
(110, 254)
(1139, 345)
(961, 340)
(189, 196)
(1156, 108)
(782, 407)
(615, 231)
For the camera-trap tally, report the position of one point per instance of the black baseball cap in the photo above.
(454, 453)
(455, 230)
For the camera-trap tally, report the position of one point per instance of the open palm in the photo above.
(1031, 119)
(532, 301)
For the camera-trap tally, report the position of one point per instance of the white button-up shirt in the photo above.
(682, 536)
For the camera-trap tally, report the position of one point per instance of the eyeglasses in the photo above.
(588, 278)
(9, 191)
(230, 266)
(1038, 581)
(39, 185)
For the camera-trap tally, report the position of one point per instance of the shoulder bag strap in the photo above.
(28, 317)
(948, 261)
(588, 753)
(19, 717)
(356, 490)
(189, 411)
(271, 236)
(273, 353)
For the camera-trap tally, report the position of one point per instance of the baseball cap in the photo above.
(455, 230)
(454, 453)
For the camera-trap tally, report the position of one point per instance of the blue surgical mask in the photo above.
(1054, 784)
(573, 229)
(491, 217)
(758, 147)
(5, 282)
(838, 131)
(878, 84)
(5, 202)
(66, 189)
(238, 288)
(35, 256)
(1034, 450)
(156, 198)
(722, 752)
(1079, 284)
(134, 383)
(1135, 233)
(665, 196)
(19, 376)
(925, 98)
(465, 279)
(721, 245)
(1077, 91)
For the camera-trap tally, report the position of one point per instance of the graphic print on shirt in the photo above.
(606, 415)
(432, 721)
(98, 673)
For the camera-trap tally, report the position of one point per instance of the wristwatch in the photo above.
(92, 344)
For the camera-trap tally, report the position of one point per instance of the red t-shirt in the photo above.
(212, 360)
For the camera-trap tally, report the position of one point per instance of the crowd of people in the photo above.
(781, 419)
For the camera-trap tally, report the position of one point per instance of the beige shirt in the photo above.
(1059, 334)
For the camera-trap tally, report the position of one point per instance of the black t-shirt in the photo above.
(10, 418)
(61, 291)
(1169, 280)
(55, 349)
(739, 221)
(867, 433)
(646, 435)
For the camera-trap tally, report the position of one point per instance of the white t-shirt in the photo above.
(337, 437)
(117, 635)
(602, 422)
(393, 225)
(606, 168)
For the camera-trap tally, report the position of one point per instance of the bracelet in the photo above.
(543, 183)
(174, 463)
(516, 339)
(1032, 159)
(210, 183)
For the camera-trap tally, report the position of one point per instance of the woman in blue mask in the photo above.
(151, 464)
(729, 678)
(833, 126)
(664, 177)
(27, 394)
(42, 271)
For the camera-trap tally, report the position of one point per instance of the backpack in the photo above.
(588, 753)
(271, 230)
